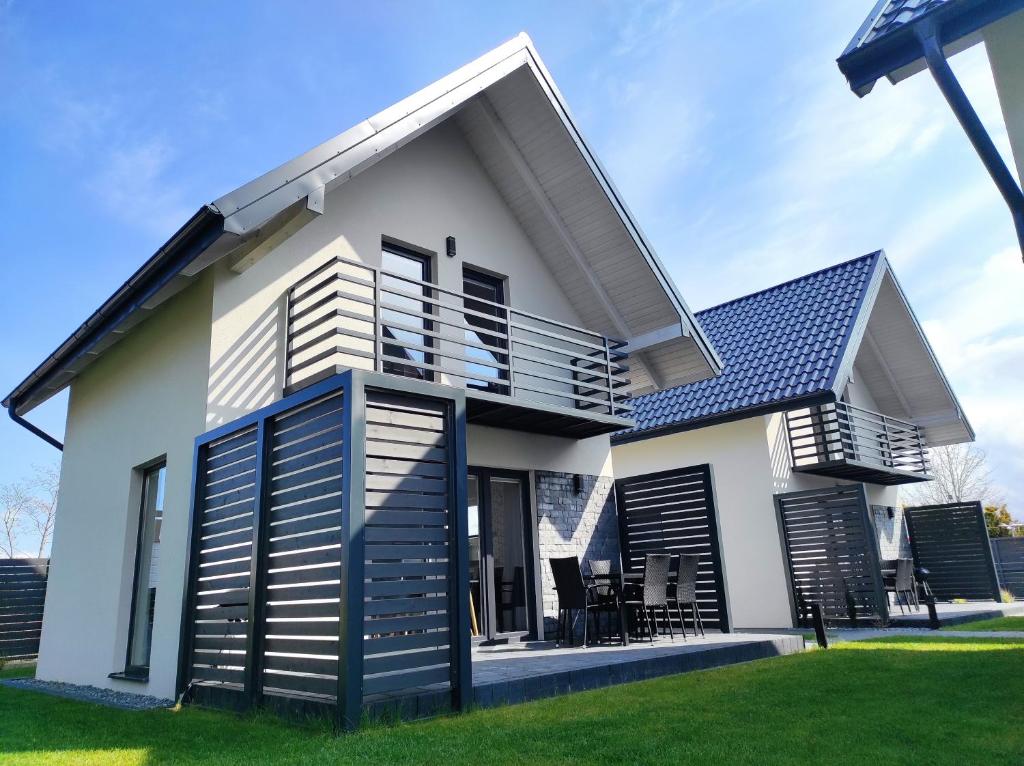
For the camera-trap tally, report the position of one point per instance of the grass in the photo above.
(996, 623)
(896, 700)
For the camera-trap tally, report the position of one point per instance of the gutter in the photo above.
(190, 241)
(928, 36)
(34, 429)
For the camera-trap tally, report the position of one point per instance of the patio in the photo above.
(518, 672)
(955, 614)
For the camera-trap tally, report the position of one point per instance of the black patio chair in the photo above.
(903, 584)
(573, 596)
(653, 593)
(684, 591)
(607, 596)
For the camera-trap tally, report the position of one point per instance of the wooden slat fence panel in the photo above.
(408, 615)
(832, 554)
(221, 569)
(22, 593)
(301, 589)
(1008, 553)
(674, 512)
(951, 542)
(327, 558)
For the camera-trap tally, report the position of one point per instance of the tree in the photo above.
(998, 521)
(960, 475)
(43, 509)
(16, 503)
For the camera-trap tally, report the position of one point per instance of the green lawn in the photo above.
(898, 700)
(996, 623)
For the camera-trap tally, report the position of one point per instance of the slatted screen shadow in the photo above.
(22, 593)
(951, 542)
(832, 555)
(674, 512)
(350, 617)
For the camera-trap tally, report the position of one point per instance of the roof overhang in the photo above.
(897, 365)
(898, 53)
(637, 303)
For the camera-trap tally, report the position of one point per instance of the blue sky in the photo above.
(726, 126)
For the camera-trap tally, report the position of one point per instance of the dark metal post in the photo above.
(608, 369)
(458, 545)
(780, 518)
(933, 615)
(350, 622)
(819, 625)
(717, 552)
(874, 555)
(378, 330)
(257, 569)
(185, 635)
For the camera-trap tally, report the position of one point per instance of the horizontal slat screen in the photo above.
(302, 526)
(22, 593)
(951, 542)
(1009, 556)
(407, 621)
(221, 570)
(674, 512)
(831, 553)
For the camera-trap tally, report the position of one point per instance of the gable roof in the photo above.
(517, 122)
(793, 345)
(886, 45)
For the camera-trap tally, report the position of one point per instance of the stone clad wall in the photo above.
(583, 525)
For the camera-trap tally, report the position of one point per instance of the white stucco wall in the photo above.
(430, 189)
(1004, 42)
(144, 399)
(742, 475)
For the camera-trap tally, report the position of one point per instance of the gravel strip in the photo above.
(107, 697)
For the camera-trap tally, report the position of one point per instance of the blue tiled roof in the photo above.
(895, 14)
(778, 345)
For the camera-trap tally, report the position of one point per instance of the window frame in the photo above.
(152, 468)
(426, 259)
(502, 382)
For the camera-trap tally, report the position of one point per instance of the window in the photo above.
(404, 316)
(485, 295)
(147, 559)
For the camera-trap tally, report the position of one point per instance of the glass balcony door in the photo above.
(501, 555)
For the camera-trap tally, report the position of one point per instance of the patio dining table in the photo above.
(618, 582)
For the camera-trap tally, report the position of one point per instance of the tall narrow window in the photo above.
(147, 558)
(404, 344)
(486, 342)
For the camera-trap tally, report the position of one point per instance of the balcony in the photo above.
(847, 442)
(520, 370)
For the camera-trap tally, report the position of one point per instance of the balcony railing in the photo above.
(347, 314)
(838, 439)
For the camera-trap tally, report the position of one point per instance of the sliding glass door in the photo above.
(501, 567)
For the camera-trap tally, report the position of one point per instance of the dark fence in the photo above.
(674, 512)
(832, 554)
(327, 557)
(22, 593)
(1008, 553)
(951, 542)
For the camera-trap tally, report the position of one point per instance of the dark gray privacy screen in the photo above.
(832, 554)
(951, 542)
(674, 512)
(22, 593)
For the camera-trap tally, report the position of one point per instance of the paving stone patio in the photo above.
(512, 673)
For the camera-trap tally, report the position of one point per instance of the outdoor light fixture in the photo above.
(577, 484)
(449, 246)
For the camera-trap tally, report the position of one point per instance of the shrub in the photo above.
(1006, 597)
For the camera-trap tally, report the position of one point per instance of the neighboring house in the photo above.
(464, 252)
(828, 379)
(903, 37)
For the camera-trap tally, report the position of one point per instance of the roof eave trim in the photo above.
(194, 237)
(862, 312)
(783, 405)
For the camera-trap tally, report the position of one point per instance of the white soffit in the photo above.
(519, 127)
(899, 369)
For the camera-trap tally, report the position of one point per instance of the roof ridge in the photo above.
(872, 255)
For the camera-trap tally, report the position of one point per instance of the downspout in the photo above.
(34, 429)
(928, 36)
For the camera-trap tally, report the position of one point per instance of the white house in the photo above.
(827, 380)
(441, 300)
